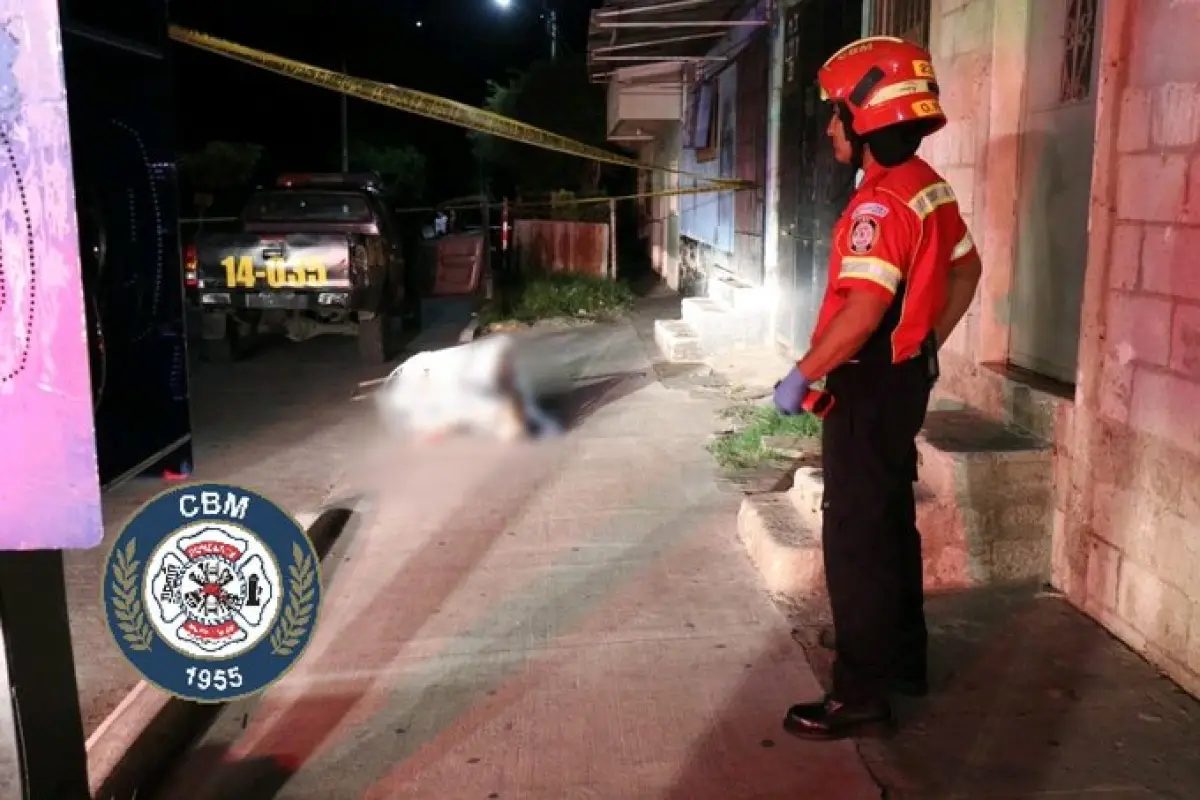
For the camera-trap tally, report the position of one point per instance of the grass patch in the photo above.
(744, 448)
(551, 296)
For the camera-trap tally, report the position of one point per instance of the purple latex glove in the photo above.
(790, 392)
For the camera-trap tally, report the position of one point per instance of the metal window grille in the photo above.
(905, 19)
(791, 50)
(1079, 37)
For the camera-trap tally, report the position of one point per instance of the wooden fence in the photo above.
(579, 248)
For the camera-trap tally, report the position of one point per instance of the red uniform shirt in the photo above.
(902, 225)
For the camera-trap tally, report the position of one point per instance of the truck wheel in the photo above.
(411, 312)
(225, 350)
(217, 351)
(372, 339)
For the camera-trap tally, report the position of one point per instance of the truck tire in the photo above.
(410, 310)
(225, 350)
(373, 339)
(217, 351)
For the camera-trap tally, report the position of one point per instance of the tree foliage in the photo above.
(555, 96)
(220, 166)
(402, 167)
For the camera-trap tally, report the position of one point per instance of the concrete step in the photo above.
(964, 454)
(786, 552)
(722, 329)
(984, 502)
(677, 341)
(737, 296)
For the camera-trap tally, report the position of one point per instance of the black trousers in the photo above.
(871, 544)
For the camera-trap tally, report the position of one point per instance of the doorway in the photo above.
(1057, 146)
(813, 188)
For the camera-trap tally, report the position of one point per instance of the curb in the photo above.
(471, 332)
(135, 745)
(786, 553)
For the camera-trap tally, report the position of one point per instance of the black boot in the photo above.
(831, 719)
(909, 682)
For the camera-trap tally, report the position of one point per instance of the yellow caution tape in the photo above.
(517, 205)
(431, 106)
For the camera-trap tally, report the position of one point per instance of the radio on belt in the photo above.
(817, 402)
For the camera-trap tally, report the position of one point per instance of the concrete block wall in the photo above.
(663, 231)
(1130, 553)
(1126, 541)
(961, 44)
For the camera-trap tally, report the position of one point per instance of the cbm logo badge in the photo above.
(212, 592)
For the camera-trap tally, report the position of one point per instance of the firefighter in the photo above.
(902, 273)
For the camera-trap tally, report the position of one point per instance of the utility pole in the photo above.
(551, 28)
(337, 22)
(345, 124)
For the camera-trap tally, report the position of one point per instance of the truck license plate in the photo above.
(274, 300)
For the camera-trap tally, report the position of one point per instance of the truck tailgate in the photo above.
(249, 262)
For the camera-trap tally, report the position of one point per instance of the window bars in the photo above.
(1079, 37)
(906, 19)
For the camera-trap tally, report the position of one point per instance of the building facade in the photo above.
(1074, 149)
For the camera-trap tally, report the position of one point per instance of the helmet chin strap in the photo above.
(857, 142)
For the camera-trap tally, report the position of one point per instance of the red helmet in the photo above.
(883, 81)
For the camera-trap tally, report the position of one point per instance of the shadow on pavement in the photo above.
(439, 566)
(572, 408)
(147, 762)
(747, 754)
(1031, 698)
(246, 410)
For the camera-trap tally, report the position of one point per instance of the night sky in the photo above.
(459, 45)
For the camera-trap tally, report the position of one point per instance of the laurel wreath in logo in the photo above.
(297, 615)
(126, 602)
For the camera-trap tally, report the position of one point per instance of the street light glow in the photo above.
(504, 4)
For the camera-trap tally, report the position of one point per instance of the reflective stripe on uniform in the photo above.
(937, 194)
(963, 247)
(875, 270)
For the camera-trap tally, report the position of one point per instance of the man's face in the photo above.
(843, 151)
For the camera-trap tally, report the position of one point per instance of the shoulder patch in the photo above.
(864, 232)
(869, 209)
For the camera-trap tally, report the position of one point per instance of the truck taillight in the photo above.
(191, 271)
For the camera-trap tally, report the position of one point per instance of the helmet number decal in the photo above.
(923, 69)
(863, 235)
(927, 108)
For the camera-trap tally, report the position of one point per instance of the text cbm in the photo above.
(214, 504)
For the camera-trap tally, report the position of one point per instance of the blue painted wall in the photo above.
(708, 217)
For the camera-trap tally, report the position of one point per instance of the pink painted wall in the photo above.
(1134, 545)
(49, 489)
(1126, 536)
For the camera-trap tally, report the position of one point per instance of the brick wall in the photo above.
(1133, 557)
(960, 35)
(1127, 448)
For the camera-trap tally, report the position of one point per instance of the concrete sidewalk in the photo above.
(574, 619)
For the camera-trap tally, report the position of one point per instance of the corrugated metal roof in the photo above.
(626, 33)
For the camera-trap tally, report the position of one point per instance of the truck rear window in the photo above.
(295, 206)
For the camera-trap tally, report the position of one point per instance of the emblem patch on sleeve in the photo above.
(872, 209)
(863, 235)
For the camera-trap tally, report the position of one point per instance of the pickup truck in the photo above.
(316, 254)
